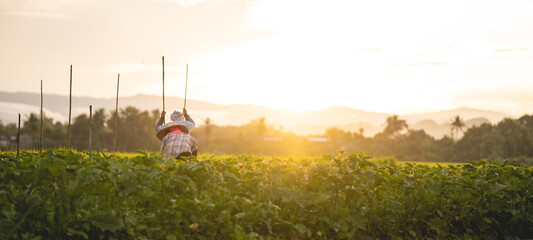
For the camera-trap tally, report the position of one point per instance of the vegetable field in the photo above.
(65, 195)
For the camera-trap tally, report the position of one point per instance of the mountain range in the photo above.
(436, 124)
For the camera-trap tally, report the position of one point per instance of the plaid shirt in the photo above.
(174, 144)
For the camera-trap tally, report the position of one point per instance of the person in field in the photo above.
(175, 139)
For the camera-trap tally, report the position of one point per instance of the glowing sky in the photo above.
(384, 56)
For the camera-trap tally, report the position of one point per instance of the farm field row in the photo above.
(63, 195)
(225, 156)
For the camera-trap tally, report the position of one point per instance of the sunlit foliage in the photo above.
(64, 195)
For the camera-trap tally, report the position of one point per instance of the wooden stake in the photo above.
(116, 119)
(186, 77)
(41, 142)
(69, 109)
(18, 139)
(90, 131)
(163, 60)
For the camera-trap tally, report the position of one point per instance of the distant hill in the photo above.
(306, 123)
(439, 130)
(465, 113)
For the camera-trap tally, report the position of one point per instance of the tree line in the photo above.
(136, 131)
(507, 139)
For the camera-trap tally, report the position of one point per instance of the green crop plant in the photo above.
(62, 194)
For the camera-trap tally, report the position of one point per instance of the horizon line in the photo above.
(274, 108)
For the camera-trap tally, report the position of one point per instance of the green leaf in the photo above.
(438, 224)
(358, 220)
(230, 175)
(171, 237)
(106, 222)
(71, 188)
(302, 229)
(238, 233)
(240, 215)
(73, 232)
(320, 198)
(32, 203)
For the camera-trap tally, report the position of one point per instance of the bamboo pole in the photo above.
(186, 77)
(18, 139)
(69, 109)
(116, 119)
(41, 137)
(90, 131)
(163, 60)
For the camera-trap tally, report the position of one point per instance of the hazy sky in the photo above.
(388, 56)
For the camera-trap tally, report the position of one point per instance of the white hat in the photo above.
(176, 116)
(169, 126)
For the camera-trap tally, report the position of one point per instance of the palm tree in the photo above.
(394, 125)
(457, 125)
(260, 125)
